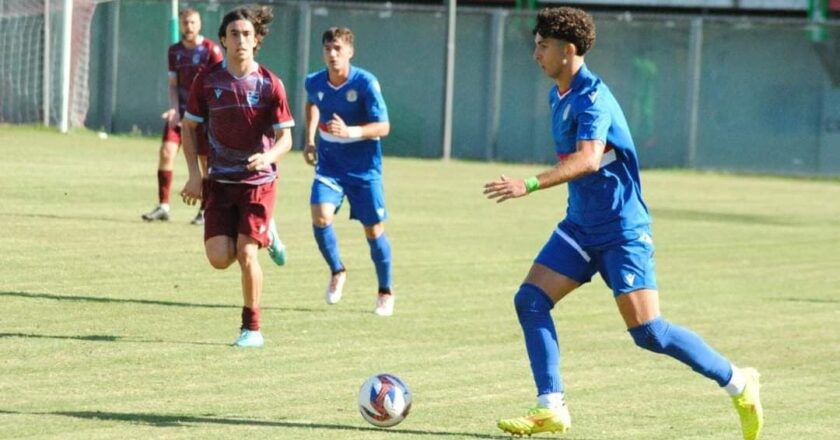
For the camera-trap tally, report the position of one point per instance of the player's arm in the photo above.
(192, 189)
(282, 145)
(586, 160)
(312, 116)
(371, 130)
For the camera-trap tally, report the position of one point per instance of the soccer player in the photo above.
(248, 122)
(345, 111)
(606, 230)
(186, 58)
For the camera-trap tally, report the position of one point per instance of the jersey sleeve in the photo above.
(282, 116)
(216, 55)
(197, 103)
(375, 106)
(308, 87)
(592, 117)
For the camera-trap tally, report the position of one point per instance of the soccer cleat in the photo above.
(336, 287)
(199, 218)
(384, 304)
(156, 214)
(276, 249)
(538, 420)
(249, 339)
(748, 405)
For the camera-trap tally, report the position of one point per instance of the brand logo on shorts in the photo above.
(218, 93)
(629, 277)
(380, 212)
(352, 95)
(646, 238)
(262, 229)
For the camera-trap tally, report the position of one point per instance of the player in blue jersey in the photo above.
(347, 116)
(606, 231)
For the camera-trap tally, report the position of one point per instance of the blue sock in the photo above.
(660, 336)
(533, 306)
(328, 244)
(380, 253)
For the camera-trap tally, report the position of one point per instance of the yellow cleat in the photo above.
(748, 405)
(539, 419)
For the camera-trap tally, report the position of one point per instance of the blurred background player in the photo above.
(186, 58)
(346, 111)
(245, 110)
(606, 230)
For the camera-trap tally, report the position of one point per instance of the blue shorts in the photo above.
(367, 199)
(625, 260)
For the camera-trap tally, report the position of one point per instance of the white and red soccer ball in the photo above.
(384, 400)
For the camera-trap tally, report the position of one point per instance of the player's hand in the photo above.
(310, 154)
(258, 162)
(172, 117)
(192, 191)
(337, 127)
(505, 188)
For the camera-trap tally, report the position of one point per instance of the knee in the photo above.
(247, 255)
(652, 335)
(320, 221)
(531, 299)
(219, 261)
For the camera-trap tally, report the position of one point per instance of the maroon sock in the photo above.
(164, 184)
(250, 319)
(205, 189)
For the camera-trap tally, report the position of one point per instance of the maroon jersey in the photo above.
(185, 63)
(241, 115)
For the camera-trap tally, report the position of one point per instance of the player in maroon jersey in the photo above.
(244, 107)
(185, 58)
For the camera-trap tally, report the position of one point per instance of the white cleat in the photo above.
(336, 287)
(384, 304)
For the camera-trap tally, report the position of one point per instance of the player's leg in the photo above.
(629, 270)
(166, 162)
(221, 227)
(560, 267)
(325, 201)
(256, 209)
(367, 205)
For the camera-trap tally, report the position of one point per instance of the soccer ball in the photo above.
(384, 400)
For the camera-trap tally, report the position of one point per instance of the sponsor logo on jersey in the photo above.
(253, 97)
(218, 93)
(352, 95)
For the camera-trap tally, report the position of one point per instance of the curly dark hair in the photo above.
(567, 24)
(259, 16)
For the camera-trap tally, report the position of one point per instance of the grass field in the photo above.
(111, 328)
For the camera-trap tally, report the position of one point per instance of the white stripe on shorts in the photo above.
(329, 182)
(573, 244)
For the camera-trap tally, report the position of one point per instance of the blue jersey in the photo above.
(609, 200)
(358, 101)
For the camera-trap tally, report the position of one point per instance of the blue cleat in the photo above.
(249, 339)
(276, 249)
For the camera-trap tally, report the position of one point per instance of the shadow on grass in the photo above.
(106, 338)
(101, 299)
(165, 420)
(812, 300)
(722, 217)
(74, 217)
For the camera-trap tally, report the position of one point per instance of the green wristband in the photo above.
(532, 184)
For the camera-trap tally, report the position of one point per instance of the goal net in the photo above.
(31, 61)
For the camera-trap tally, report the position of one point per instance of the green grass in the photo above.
(112, 328)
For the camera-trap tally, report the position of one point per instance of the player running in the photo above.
(606, 231)
(186, 58)
(346, 111)
(248, 121)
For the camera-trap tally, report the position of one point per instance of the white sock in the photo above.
(551, 400)
(164, 206)
(736, 385)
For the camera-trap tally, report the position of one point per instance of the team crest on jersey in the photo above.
(566, 111)
(218, 93)
(320, 96)
(253, 97)
(352, 95)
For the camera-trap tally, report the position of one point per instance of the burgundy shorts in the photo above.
(174, 135)
(236, 208)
